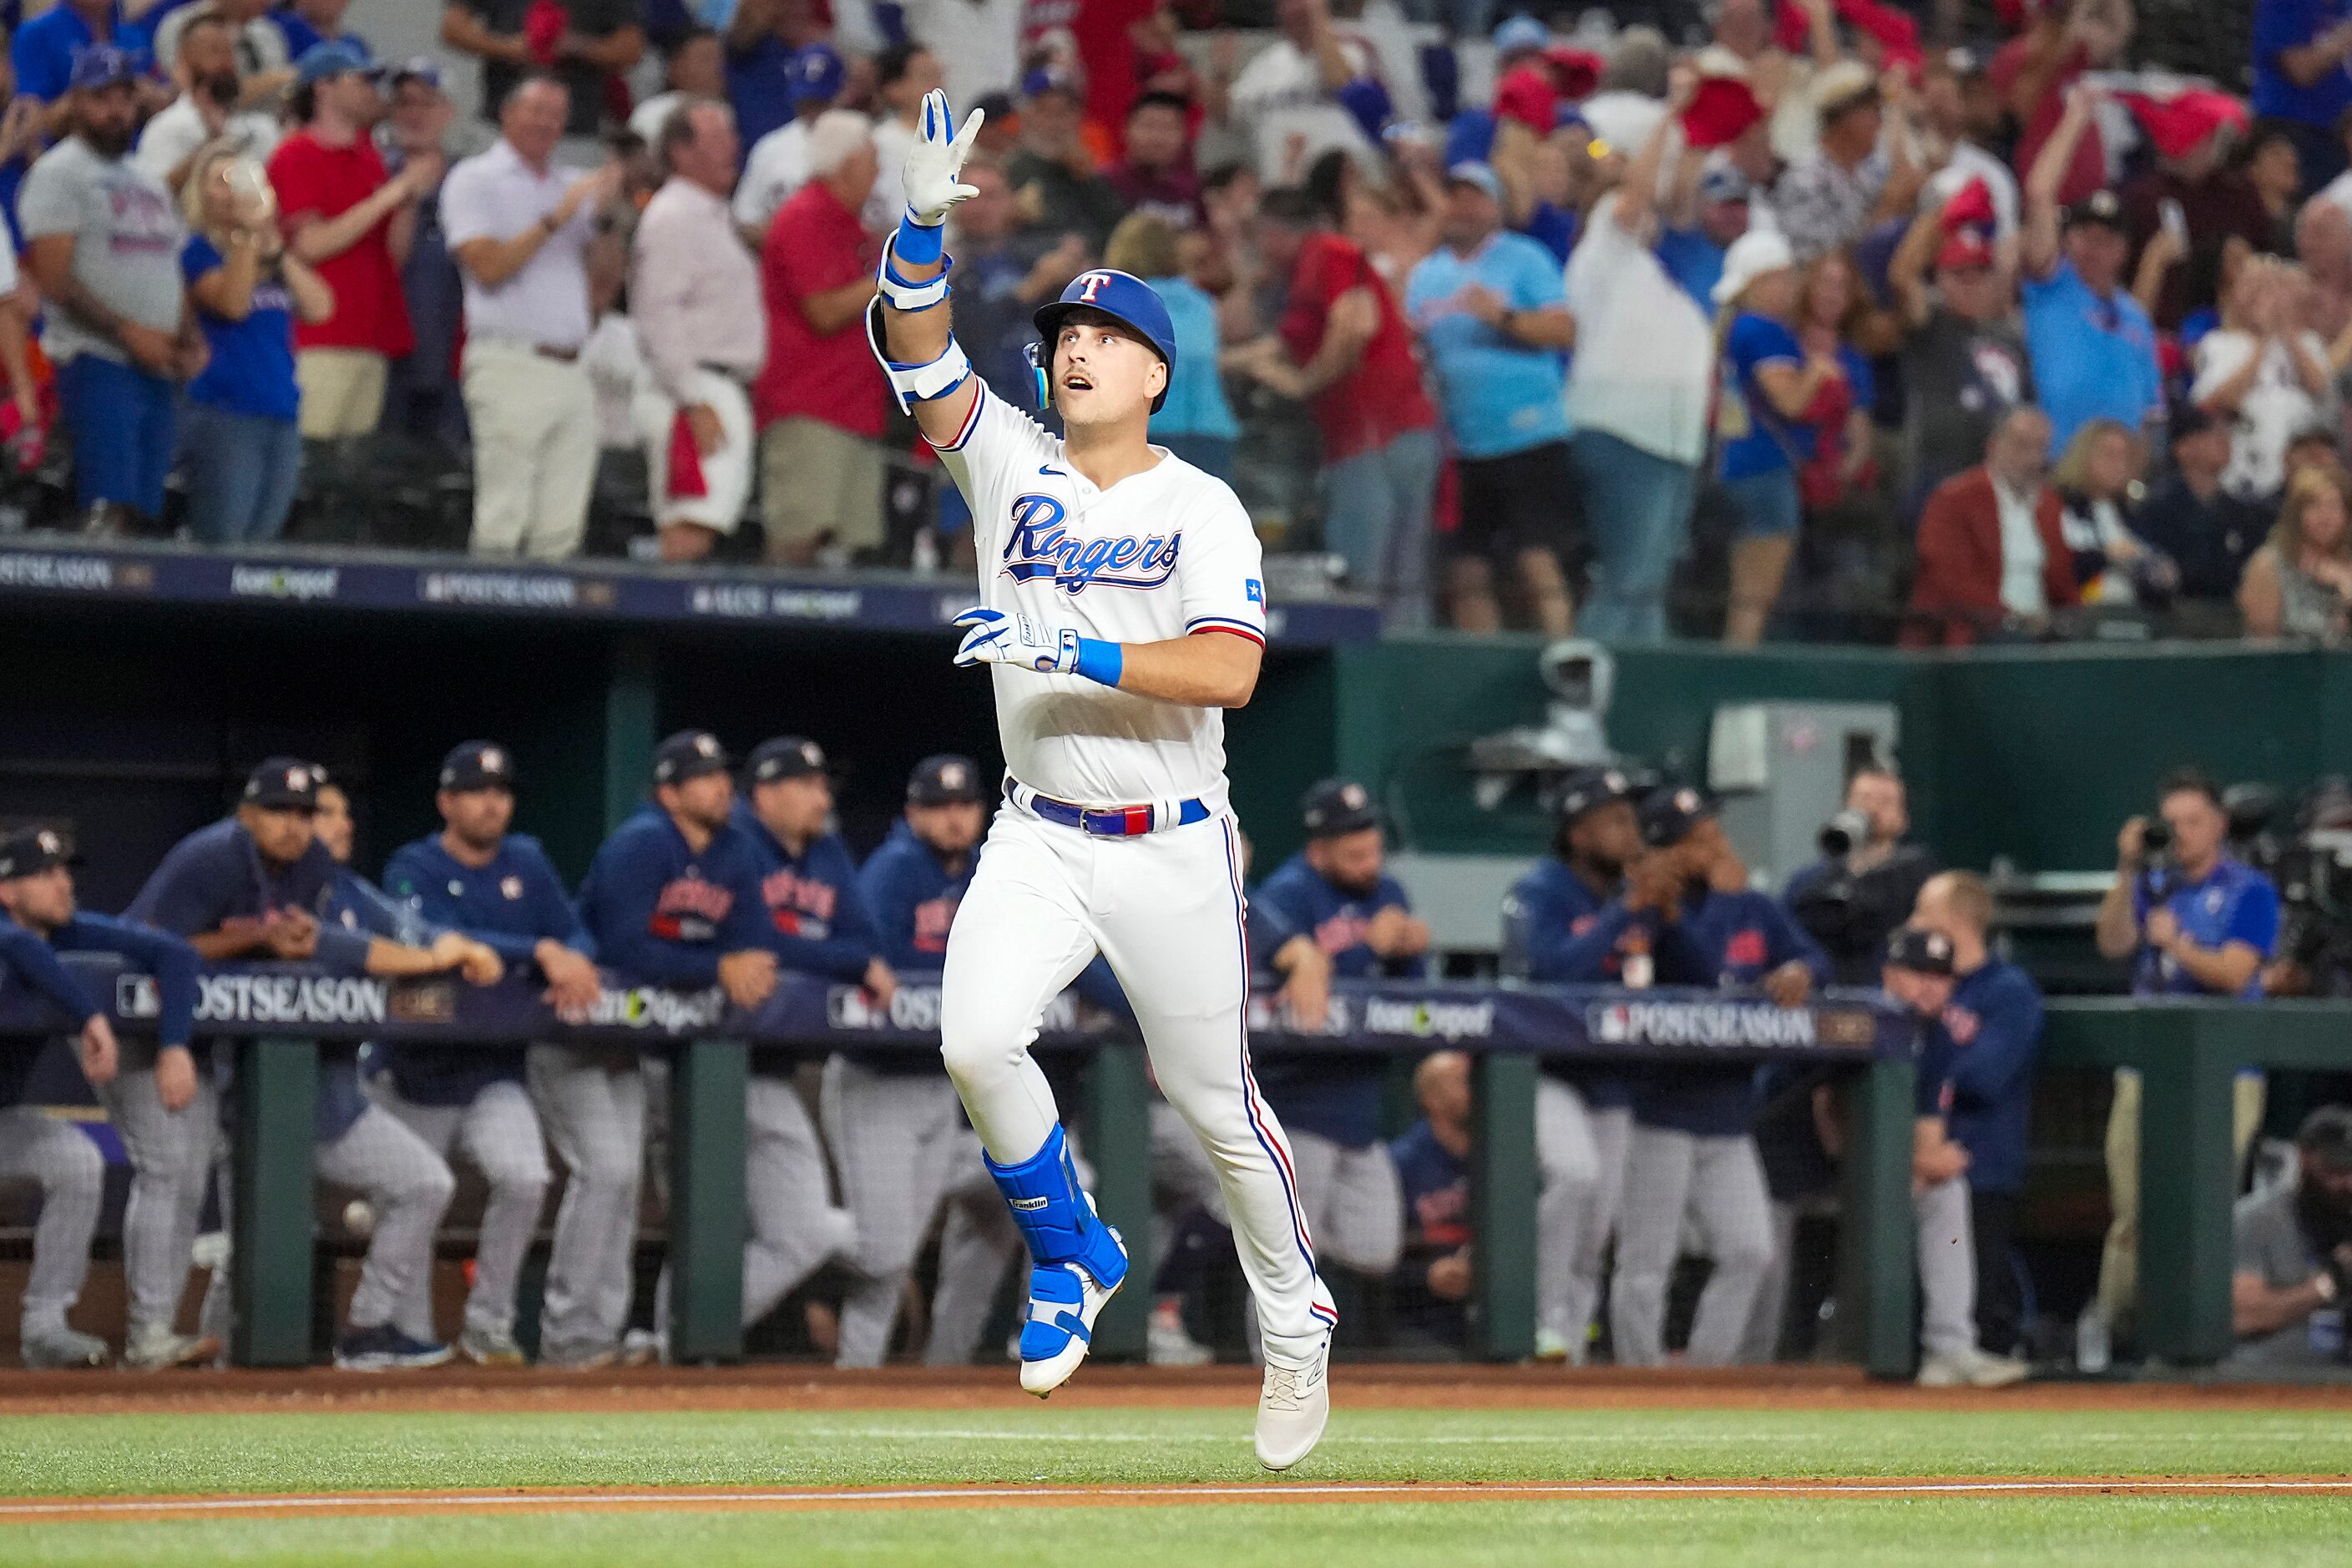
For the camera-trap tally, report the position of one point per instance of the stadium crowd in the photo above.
(1819, 319)
(734, 885)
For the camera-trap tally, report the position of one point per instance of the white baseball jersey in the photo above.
(1160, 554)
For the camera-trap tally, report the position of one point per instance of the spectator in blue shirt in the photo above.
(1769, 386)
(1986, 1035)
(43, 52)
(1336, 891)
(2193, 922)
(1432, 1163)
(39, 920)
(1195, 423)
(2093, 347)
(1691, 251)
(240, 450)
(1492, 313)
(2301, 81)
(309, 22)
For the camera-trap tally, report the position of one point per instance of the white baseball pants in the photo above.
(1166, 909)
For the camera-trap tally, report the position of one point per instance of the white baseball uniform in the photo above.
(1161, 555)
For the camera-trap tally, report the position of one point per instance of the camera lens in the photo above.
(1841, 832)
(2156, 836)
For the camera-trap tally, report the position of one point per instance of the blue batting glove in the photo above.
(996, 638)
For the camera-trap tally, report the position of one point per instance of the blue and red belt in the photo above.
(1107, 821)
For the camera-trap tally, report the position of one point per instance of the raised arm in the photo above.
(2049, 174)
(926, 369)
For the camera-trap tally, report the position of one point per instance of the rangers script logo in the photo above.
(1041, 547)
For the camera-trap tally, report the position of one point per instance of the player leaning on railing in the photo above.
(1123, 606)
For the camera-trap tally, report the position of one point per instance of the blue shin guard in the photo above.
(1077, 1261)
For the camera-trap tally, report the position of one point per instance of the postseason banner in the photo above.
(815, 1015)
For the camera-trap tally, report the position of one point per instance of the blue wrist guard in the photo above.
(921, 244)
(1099, 661)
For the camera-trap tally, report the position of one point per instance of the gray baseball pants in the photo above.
(592, 1103)
(71, 1175)
(498, 1133)
(1717, 1183)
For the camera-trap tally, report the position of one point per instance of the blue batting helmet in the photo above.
(1125, 299)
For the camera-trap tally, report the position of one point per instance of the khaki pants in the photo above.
(534, 423)
(343, 392)
(817, 479)
(2119, 1263)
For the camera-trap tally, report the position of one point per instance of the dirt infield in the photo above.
(787, 1386)
(804, 1499)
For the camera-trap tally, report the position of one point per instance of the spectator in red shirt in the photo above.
(1343, 346)
(353, 224)
(2033, 71)
(819, 401)
(1156, 177)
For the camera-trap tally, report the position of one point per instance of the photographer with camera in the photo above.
(2293, 1257)
(1862, 889)
(2194, 921)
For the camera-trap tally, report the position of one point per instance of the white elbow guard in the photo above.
(913, 384)
(904, 295)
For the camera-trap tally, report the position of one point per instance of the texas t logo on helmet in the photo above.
(1125, 299)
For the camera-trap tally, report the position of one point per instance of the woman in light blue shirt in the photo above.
(1195, 423)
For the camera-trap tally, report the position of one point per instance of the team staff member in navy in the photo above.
(1336, 891)
(671, 900)
(2194, 923)
(498, 887)
(1574, 920)
(38, 920)
(1990, 1035)
(817, 925)
(1692, 1154)
(896, 1128)
(248, 887)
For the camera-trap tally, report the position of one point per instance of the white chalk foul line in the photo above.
(1352, 1491)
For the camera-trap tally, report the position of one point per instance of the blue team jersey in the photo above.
(813, 901)
(1435, 1184)
(1332, 1097)
(1694, 261)
(1756, 439)
(2283, 25)
(1500, 397)
(913, 899)
(662, 914)
(216, 874)
(1559, 930)
(30, 959)
(512, 903)
(1731, 939)
(1983, 1049)
(2093, 358)
(2233, 903)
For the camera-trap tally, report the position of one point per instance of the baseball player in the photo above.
(898, 1130)
(817, 924)
(249, 886)
(1691, 1156)
(672, 899)
(1574, 920)
(1123, 606)
(498, 887)
(38, 920)
(1336, 891)
(1917, 974)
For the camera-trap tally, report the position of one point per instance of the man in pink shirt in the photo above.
(820, 399)
(694, 292)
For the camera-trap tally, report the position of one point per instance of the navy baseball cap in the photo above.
(1587, 790)
(1920, 952)
(29, 851)
(943, 780)
(477, 765)
(98, 67)
(816, 71)
(785, 757)
(284, 784)
(1669, 812)
(2326, 1136)
(1338, 807)
(1125, 299)
(689, 754)
(332, 57)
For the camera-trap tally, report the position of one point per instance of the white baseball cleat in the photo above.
(1293, 1408)
(1063, 1302)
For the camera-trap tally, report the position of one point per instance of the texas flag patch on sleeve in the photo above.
(1255, 590)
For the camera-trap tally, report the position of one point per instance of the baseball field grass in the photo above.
(1492, 1466)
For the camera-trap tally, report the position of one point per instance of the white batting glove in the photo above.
(996, 638)
(935, 162)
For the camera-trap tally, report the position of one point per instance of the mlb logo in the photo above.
(1255, 590)
(135, 997)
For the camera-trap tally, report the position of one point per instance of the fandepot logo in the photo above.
(291, 999)
(914, 1010)
(1429, 1020)
(1708, 1024)
(303, 583)
(661, 1012)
